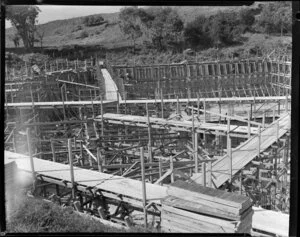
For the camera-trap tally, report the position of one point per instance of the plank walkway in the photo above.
(248, 150)
(175, 125)
(111, 90)
(88, 178)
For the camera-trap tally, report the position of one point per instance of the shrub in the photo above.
(93, 20)
(77, 28)
(83, 34)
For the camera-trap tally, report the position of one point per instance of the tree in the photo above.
(195, 35)
(23, 18)
(283, 17)
(224, 28)
(164, 27)
(40, 35)
(130, 23)
(276, 17)
(16, 39)
(246, 19)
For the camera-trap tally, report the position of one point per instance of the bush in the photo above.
(93, 20)
(77, 28)
(195, 35)
(276, 17)
(83, 35)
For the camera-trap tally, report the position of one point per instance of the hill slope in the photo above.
(73, 31)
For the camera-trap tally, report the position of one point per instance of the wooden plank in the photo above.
(270, 221)
(183, 225)
(90, 153)
(200, 208)
(210, 221)
(261, 98)
(141, 121)
(51, 104)
(89, 178)
(171, 226)
(211, 194)
(247, 151)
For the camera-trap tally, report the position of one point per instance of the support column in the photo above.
(143, 186)
(71, 166)
(196, 152)
(30, 156)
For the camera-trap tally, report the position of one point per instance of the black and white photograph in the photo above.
(148, 119)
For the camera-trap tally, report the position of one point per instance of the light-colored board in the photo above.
(247, 151)
(234, 99)
(111, 183)
(141, 121)
(200, 208)
(270, 221)
(196, 225)
(210, 194)
(199, 217)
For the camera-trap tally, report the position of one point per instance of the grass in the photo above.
(36, 215)
(66, 32)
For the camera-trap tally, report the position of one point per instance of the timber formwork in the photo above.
(182, 132)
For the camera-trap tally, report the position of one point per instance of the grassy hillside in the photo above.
(36, 215)
(73, 31)
(62, 33)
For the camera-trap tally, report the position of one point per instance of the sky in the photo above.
(52, 12)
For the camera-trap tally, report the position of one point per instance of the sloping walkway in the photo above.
(247, 151)
(111, 89)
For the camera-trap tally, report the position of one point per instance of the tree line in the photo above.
(163, 29)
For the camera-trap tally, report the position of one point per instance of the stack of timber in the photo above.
(194, 208)
(10, 174)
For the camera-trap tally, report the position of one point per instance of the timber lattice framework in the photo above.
(222, 125)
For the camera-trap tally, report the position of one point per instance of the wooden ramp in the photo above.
(248, 150)
(174, 125)
(111, 90)
(109, 184)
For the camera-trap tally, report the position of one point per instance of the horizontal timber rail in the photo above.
(51, 104)
(173, 125)
(222, 99)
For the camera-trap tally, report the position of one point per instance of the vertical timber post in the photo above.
(160, 167)
(99, 160)
(53, 150)
(30, 156)
(229, 155)
(259, 141)
(102, 121)
(177, 105)
(172, 169)
(143, 185)
(195, 134)
(149, 138)
(71, 166)
(248, 124)
(209, 173)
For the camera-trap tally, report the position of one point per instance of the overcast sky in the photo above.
(51, 12)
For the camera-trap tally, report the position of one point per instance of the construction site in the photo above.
(186, 147)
